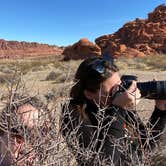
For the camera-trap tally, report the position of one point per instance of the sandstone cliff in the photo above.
(15, 49)
(139, 37)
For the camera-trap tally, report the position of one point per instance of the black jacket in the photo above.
(110, 136)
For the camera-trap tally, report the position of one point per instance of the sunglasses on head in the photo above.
(99, 65)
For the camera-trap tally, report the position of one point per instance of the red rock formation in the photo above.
(14, 49)
(80, 50)
(139, 37)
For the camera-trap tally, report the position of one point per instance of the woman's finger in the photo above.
(132, 87)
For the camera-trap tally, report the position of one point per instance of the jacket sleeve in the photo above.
(151, 132)
(148, 134)
(157, 123)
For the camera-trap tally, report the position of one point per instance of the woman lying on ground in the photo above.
(22, 129)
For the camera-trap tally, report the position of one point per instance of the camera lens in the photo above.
(152, 89)
(149, 89)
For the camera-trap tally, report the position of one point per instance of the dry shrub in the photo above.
(44, 143)
(4, 78)
(63, 78)
(155, 62)
(88, 155)
(27, 139)
(9, 78)
(52, 76)
(28, 64)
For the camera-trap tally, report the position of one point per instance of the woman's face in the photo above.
(103, 96)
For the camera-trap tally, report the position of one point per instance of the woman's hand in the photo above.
(128, 98)
(161, 105)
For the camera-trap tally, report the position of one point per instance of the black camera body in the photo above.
(149, 89)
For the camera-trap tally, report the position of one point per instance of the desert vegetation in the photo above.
(147, 63)
(42, 85)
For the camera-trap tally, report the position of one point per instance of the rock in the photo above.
(158, 15)
(122, 47)
(141, 37)
(14, 49)
(131, 52)
(80, 50)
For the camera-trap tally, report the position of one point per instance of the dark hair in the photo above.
(88, 78)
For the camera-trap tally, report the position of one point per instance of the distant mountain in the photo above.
(137, 38)
(15, 49)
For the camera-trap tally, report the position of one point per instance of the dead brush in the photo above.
(29, 129)
(40, 142)
(155, 62)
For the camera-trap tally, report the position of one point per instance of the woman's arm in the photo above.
(157, 122)
(150, 133)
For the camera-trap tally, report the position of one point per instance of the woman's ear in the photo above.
(89, 95)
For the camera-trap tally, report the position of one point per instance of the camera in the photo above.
(149, 89)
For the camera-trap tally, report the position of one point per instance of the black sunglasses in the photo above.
(99, 65)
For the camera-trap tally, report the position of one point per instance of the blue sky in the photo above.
(64, 22)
